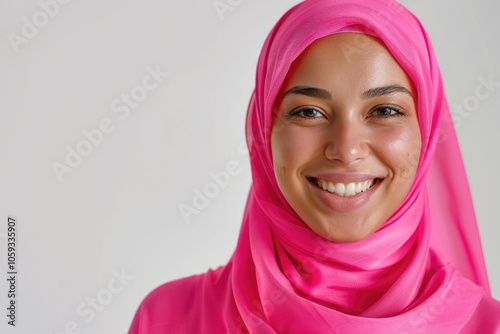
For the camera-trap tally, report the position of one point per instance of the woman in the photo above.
(359, 219)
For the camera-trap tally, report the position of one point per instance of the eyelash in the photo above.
(398, 111)
(299, 112)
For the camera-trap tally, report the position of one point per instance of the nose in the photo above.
(346, 142)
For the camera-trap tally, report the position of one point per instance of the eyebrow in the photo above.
(325, 95)
(385, 90)
(309, 91)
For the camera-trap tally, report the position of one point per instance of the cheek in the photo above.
(292, 147)
(401, 151)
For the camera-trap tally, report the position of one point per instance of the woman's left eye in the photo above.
(386, 111)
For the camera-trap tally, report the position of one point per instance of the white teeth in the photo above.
(330, 188)
(350, 189)
(359, 187)
(346, 190)
(340, 189)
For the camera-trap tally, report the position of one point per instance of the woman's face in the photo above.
(345, 140)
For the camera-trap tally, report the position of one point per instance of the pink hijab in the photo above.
(422, 271)
(397, 267)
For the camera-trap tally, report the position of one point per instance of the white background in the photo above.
(118, 210)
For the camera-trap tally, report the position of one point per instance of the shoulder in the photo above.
(178, 306)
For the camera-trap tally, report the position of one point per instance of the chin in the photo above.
(340, 234)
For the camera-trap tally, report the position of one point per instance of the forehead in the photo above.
(350, 59)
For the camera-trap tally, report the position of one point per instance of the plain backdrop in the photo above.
(117, 212)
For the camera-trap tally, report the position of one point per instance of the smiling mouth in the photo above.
(344, 189)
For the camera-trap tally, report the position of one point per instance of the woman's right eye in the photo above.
(306, 113)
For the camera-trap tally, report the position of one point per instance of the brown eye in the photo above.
(386, 111)
(308, 113)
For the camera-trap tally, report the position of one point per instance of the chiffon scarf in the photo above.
(286, 278)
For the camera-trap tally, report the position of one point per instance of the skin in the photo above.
(357, 116)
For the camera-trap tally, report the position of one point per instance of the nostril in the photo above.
(345, 150)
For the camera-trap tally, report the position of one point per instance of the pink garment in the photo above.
(422, 272)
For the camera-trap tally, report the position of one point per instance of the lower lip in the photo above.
(343, 204)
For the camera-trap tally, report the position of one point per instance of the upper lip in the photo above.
(345, 177)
